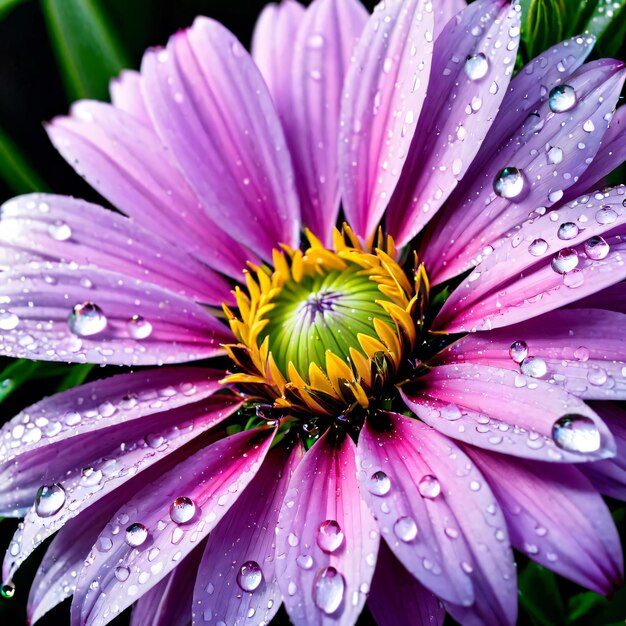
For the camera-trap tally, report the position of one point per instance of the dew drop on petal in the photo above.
(8, 321)
(328, 590)
(59, 231)
(122, 573)
(538, 247)
(329, 536)
(562, 98)
(476, 66)
(606, 215)
(379, 484)
(182, 510)
(136, 534)
(429, 486)
(567, 230)
(87, 319)
(597, 248)
(250, 576)
(534, 366)
(576, 433)
(555, 155)
(405, 529)
(49, 500)
(509, 183)
(518, 350)
(565, 261)
(138, 327)
(304, 561)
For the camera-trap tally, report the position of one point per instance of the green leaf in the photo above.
(540, 596)
(85, 45)
(8, 5)
(76, 376)
(15, 169)
(15, 375)
(603, 15)
(584, 605)
(543, 25)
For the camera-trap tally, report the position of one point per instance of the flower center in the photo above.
(326, 330)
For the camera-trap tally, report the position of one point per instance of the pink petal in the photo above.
(310, 110)
(126, 95)
(326, 538)
(224, 592)
(584, 350)
(551, 149)
(506, 412)
(437, 514)
(383, 95)
(398, 598)
(609, 477)
(559, 521)
(44, 227)
(612, 298)
(36, 305)
(445, 11)
(460, 110)
(127, 163)
(212, 479)
(273, 46)
(213, 111)
(517, 281)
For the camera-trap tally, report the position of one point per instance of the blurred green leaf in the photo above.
(15, 375)
(76, 376)
(583, 606)
(7, 5)
(540, 597)
(86, 46)
(15, 169)
(603, 15)
(542, 25)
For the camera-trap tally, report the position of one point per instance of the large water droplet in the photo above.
(379, 484)
(534, 366)
(567, 230)
(565, 261)
(329, 536)
(429, 486)
(576, 433)
(405, 529)
(562, 98)
(597, 248)
(538, 247)
(249, 576)
(328, 590)
(606, 215)
(138, 327)
(555, 155)
(518, 350)
(8, 320)
(509, 183)
(476, 66)
(136, 534)
(182, 510)
(49, 500)
(87, 319)
(122, 573)
(59, 231)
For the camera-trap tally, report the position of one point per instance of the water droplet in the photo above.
(154, 440)
(429, 486)
(249, 576)
(59, 231)
(49, 500)
(315, 41)
(567, 230)
(589, 126)
(518, 350)
(538, 247)
(565, 261)
(534, 366)
(136, 534)
(476, 66)
(138, 327)
(606, 215)
(122, 573)
(328, 590)
(405, 529)
(182, 510)
(8, 321)
(87, 319)
(562, 98)
(597, 248)
(555, 155)
(90, 477)
(576, 433)
(7, 590)
(509, 183)
(329, 536)
(379, 484)
(305, 561)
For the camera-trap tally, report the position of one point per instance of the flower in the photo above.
(377, 410)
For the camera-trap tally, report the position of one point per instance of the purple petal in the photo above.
(612, 298)
(473, 60)
(127, 163)
(126, 95)
(326, 538)
(237, 163)
(551, 149)
(609, 477)
(211, 479)
(383, 95)
(114, 319)
(236, 578)
(44, 227)
(310, 110)
(507, 412)
(437, 514)
(445, 11)
(397, 597)
(273, 46)
(526, 276)
(559, 521)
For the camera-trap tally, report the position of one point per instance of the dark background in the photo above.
(32, 91)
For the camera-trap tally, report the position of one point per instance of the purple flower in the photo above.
(392, 405)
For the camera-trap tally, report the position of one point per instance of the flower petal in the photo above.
(126, 162)
(383, 95)
(119, 320)
(506, 412)
(523, 277)
(323, 48)
(126, 95)
(212, 479)
(45, 227)
(557, 520)
(437, 514)
(609, 477)
(237, 163)
(224, 592)
(463, 100)
(445, 11)
(551, 149)
(397, 597)
(326, 538)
